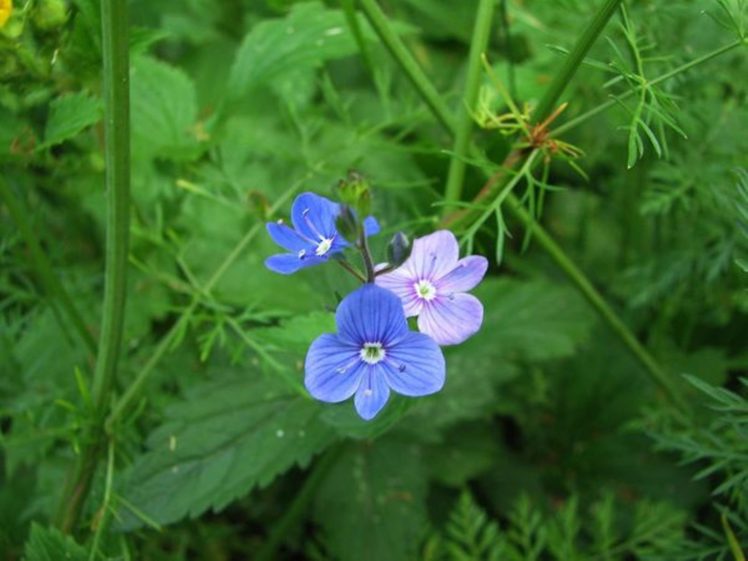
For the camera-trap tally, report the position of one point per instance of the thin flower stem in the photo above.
(569, 67)
(44, 268)
(573, 123)
(348, 267)
(481, 34)
(116, 72)
(363, 245)
(427, 90)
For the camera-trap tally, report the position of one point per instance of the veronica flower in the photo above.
(372, 353)
(314, 237)
(432, 283)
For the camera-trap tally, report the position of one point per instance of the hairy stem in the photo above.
(481, 34)
(348, 267)
(114, 19)
(44, 268)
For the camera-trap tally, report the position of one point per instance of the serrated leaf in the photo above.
(307, 37)
(69, 115)
(225, 439)
(371, 505)
(164, 111)
(49, 544)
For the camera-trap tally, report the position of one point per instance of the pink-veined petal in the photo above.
(450, 320)
(402, 284)
(465, 276)
(433, 256)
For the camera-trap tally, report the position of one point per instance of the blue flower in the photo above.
(372, 353)
(314, 237)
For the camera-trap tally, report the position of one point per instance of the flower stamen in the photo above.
(372, 353)
(425, 290)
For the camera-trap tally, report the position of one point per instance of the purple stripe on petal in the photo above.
(333, 369)
(372, 394)
(287, 238)
(371, 314)
(450, 320)
(433, 256)
(465, 276)
(284, 263)
(415, 366)
(402, 284)
(314, 216)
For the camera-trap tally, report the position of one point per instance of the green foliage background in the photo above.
(550, 440)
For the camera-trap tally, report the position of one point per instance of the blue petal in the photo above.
(415, 365)
(372, 394)
(371, 314)
(371, 226)
(314, 216)
(284, 263)
(286, 237)
(333, 369)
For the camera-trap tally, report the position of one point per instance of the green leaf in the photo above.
(69, 115)
(223, 440)
(164, 111)
(371, 505)
(307, 37)
(49, 544)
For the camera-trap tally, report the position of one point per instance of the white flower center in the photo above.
(323, 246)
(425, 290)
(371, 353)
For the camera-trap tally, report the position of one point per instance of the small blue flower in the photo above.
(314, 236)
(372, 353)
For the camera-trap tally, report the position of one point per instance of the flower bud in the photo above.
(398, 250)
(354, 192)
(347, 224)
(50, 14)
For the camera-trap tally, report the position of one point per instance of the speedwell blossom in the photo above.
(372, 353)
(432, 283)
(314, 237)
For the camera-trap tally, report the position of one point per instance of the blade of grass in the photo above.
(116, 72)
(425, 88)
(481, 34)
(44, 268)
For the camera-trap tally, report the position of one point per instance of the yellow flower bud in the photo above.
(6, 8)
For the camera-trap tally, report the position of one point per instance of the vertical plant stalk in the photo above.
(481, 34)
(115, 22)
(413, 71)
(44, 268)
(424, 87)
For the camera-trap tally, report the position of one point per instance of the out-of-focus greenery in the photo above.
(549, 441)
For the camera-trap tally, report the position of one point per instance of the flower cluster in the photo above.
(374, 352)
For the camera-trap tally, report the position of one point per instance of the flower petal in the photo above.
(450, 320)
(433, 256)
(415, 366)
(284, 263)
(402, 284)
(314, 216)
(372, 394)
(465, 276)
(287, 238)
(371, 226)
(371, 314)
(333, 369)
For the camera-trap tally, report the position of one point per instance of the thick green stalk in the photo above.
(114, 21)
(667, 76)
(44, 269)
(481, 34)
(578, 278)
(569, 67)
(413, 71)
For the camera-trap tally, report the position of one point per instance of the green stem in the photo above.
(656, 373)
(116, 72)
(573, 60)
(299, 505)
(667, 76)
(481, 34)
(44, 268)
(401, 55)
(413, 71)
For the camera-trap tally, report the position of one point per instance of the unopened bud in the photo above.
(347, 224)
(398, 250)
